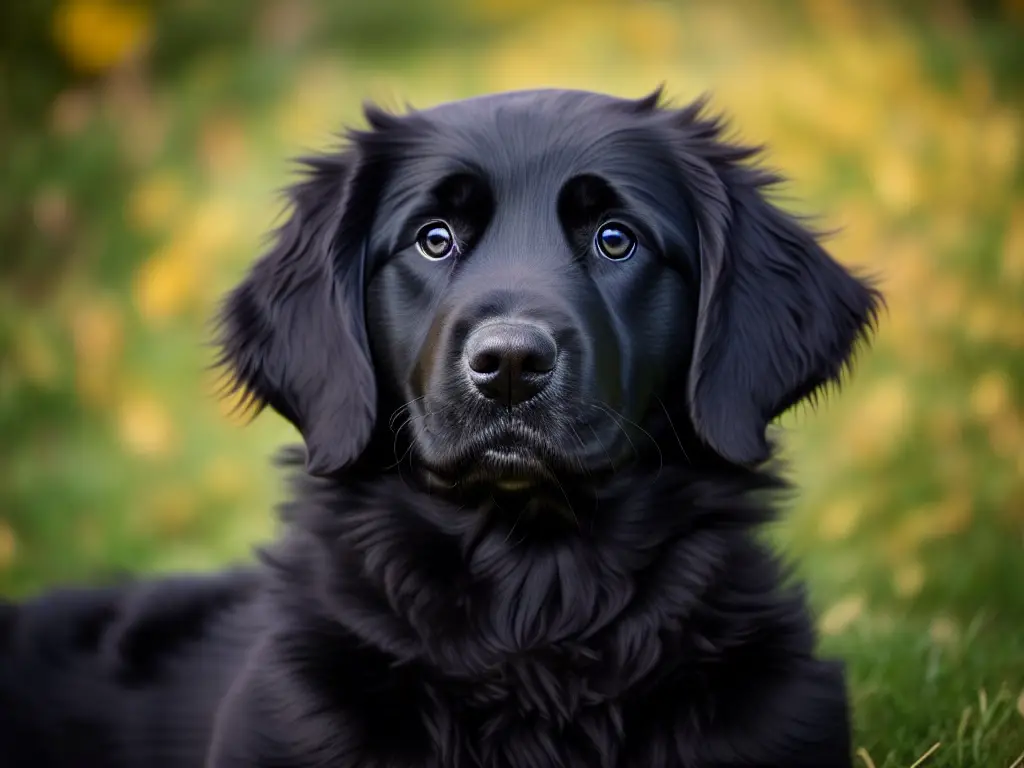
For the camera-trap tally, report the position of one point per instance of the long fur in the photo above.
(630, 618)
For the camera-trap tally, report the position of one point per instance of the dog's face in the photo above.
(531, 286)
(535, 287)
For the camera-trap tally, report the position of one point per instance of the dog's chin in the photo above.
(508, 470)
(505, 471)
(493, 470)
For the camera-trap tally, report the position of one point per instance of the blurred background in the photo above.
(143, 148)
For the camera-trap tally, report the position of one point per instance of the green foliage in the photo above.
(144, 145)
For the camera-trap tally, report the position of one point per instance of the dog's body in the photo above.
(581, 315)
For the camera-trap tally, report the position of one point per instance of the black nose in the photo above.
(511, 362)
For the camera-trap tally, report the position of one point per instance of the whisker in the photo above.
(399, 409)
(609, 412)
(398, 432)
(612, 412)
(672, 426)
(579, 460)
(568, 503)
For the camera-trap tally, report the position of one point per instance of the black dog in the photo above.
(532, 342)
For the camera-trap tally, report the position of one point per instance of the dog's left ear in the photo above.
(778, 317)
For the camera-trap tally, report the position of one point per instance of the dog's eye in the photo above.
(615, 241)
(436, 241)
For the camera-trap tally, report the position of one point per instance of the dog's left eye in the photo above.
(615, 241)
(436, 241)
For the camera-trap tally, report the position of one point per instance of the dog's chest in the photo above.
(535, 716)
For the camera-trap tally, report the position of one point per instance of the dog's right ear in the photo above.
(292, 335)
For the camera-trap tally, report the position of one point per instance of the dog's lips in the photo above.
(507, 469)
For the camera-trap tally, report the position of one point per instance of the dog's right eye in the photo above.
(436, 241)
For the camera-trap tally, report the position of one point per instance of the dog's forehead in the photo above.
(525, 146)
(539, 133)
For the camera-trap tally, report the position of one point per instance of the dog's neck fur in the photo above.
(659, 591)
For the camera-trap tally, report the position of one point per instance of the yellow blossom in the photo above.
(163, 287)
(909, 579)
(990, 396)
(879, 422)
(897, 181)
(145, 426)
(842, 614)
(98, 336)
(839, 520)
(95, 35)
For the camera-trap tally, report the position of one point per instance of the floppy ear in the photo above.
(292, 334)
(778, 317)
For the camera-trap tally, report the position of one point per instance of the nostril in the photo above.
(485, 361)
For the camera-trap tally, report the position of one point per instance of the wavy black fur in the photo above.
(621, 612)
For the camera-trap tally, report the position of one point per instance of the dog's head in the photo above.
(539, 286)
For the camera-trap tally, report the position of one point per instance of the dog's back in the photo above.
(121, 676)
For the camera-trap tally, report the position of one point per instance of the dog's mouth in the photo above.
(510, 457)
(507, 469)
(502, 462)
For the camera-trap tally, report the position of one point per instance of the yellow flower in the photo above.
(908, 579)
(166, 284)
(879, 422)
(145, 426)
(842, 614)
(215, 223)
(96, 35)
(98, 335)
(990, 396)
(999, 142)
(839, 520)
(897, 181)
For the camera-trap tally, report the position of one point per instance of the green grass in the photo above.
(914, 693)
